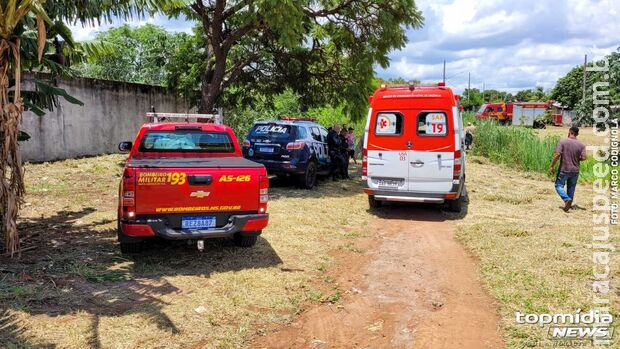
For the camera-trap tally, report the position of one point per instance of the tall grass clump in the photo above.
(521, 148)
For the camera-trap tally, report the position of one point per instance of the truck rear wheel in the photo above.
(131, 247)
(245, 241)
(374, 203)
(128, 243)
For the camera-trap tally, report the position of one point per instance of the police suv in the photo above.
(289, 146)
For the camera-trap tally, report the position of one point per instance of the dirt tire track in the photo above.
(419, 289)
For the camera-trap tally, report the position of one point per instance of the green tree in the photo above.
(472, 99)
(134, 55)
(569, 88)
(536, 95)
(323, 50)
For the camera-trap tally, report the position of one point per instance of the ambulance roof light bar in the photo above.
(176, 117)
(413, 86)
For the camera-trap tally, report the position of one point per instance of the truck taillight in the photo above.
(263, 192)
(246, 143)
(128, 198)
(458, 164)
(364, 162)
(295, 145)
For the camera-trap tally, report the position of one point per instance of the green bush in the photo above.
(468, 116)
(522, 148)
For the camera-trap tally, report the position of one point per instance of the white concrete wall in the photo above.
(112, 112)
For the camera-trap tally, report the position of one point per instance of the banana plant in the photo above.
(15, 17)
(25, 26)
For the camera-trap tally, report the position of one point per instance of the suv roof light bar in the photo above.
(163, 117)
(296, 118)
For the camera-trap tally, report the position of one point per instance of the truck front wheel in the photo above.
(245, 241)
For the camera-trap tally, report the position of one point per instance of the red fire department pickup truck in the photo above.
(189, 181)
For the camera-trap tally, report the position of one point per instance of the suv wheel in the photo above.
(373, 203)
(308, 179)
(245, 241)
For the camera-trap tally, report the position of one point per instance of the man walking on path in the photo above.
(570, 152)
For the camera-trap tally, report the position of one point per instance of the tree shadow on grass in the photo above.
(69, 267)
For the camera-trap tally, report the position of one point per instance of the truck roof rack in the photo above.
(176, 117)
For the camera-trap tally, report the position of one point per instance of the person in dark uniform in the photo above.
(334, 144)
(344, 154)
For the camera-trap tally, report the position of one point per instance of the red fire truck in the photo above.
(518, 113)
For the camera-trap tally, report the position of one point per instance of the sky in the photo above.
(505, 44)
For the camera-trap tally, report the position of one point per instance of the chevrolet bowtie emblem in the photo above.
(199, 194)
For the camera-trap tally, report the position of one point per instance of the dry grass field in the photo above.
(533, 256)
(586, 135)
(72, 288)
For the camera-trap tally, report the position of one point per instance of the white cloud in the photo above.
(88, 32)
(508, 45)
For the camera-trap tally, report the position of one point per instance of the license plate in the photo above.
(195, 223)
(265, 149)
(388, 183)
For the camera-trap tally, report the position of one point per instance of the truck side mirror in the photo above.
(125, 146)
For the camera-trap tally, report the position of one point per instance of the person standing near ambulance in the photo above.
(570, 152)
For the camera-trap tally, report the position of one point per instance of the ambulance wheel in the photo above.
(373, 203)
(245, 241)
(455, 205)
(308, 179)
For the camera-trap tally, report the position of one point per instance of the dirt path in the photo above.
(418, 289)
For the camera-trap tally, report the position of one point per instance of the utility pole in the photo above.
(444, 71)
(483, 92)
(585, 75)
(469, 88)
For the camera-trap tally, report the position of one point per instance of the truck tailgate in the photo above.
(192, 186)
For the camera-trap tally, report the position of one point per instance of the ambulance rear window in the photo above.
(432, 124)
(389, 124)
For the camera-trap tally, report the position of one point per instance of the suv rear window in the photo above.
(272, 131)
(187, 141)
